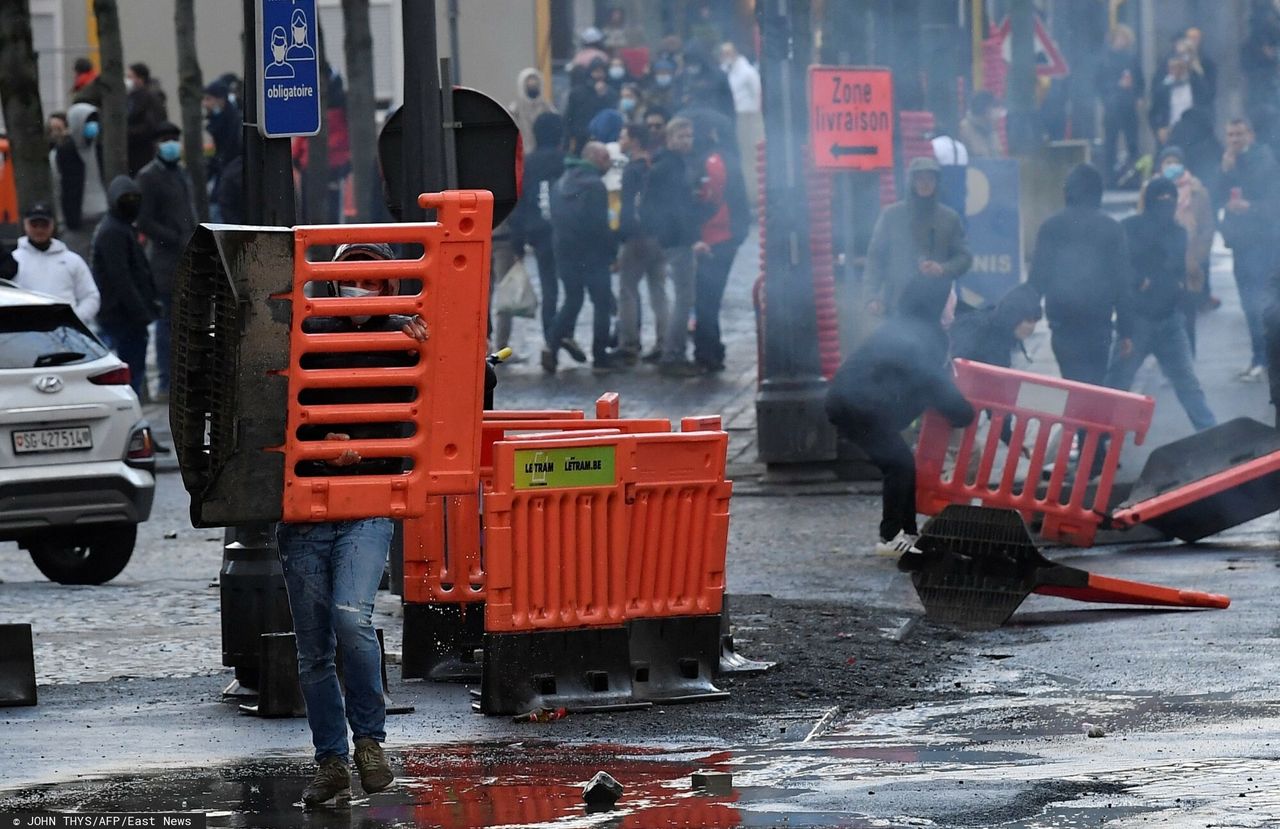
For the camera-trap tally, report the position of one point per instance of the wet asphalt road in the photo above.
(994, 734)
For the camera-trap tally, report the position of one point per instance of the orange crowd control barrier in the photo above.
(1038, 476)
(436, 394)
(8, 187)
(555, 544)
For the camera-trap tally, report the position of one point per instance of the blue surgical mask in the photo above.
(617, 72)
(91, 130)
(1173, 172)
(627, 104)
(170, 150)
(662, 80)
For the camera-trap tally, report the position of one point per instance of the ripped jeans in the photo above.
(332, 573)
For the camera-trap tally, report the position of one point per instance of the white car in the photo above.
(77, 460)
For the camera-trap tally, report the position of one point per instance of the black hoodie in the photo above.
(542, 167)
(900, 371)
(1158, 253)
(987, 335)
(119, 264)
(1081, 264)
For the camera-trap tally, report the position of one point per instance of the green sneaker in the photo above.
(331, 785)
(375, 774)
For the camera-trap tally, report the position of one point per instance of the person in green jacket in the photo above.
(917, 249)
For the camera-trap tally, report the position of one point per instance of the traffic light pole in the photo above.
(791, 419)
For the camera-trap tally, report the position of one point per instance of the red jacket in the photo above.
(716, 229)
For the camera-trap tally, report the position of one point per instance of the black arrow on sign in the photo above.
(838, 150)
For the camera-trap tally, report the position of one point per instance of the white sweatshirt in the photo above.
(58, 272)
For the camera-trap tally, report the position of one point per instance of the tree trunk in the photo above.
(114, 113)
(190, 92)
(23, 115)
(361, 106)
(315, 177)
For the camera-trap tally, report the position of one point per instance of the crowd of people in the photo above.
(638, 181)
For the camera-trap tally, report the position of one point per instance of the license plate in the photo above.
(52, 440)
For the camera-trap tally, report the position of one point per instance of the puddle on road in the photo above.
(996, 761)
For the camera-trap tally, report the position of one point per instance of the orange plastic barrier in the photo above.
(8, 186)
(446, 381)
(1121, 591)
(679, 525)
(1058, 410)
(556, 533)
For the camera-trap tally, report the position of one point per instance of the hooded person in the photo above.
(990, 335)
(1150, 319)
(530, 222)
(585, 100)
(702, 83)
(917, 248)
(1196, 216)
(1080, 266)
(78, 162)
(123, 275)
(889, 381)
(530, 102)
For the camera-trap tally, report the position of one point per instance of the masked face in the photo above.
(130, 83)
(662, 80)
(627, 105)
(169, 150)
(299, 35)
(352, 291)
(1173, 171)
(533, 90)
(1163, 208)
(617, 71)
(91, 129)
(130, 206)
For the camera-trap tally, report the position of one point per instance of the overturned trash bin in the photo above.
(977, 565)
(1209, 482)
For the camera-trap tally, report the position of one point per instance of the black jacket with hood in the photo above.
(542, 168)
(669, 208)
(900, 371)
(580, 217)
(1158, 257)
(168, 217)
(119, 265)
(1080, 265)
(986, 335)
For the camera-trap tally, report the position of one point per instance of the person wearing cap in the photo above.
(592, 49)
(223, 123)
(1195, 216)
(46, 265)
(332, 569)
(917, 250)
(168, 219)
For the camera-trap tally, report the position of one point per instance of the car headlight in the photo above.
(141, 446)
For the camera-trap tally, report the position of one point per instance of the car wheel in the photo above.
(79, 561)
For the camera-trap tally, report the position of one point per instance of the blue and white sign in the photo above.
(994, 232)
(288, 68)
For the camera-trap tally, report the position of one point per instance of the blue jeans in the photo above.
(163, 346)
(1167, 339)
(129, 342)
(332, 573)
(1253, 268)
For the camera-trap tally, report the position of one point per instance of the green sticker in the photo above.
(560, 468)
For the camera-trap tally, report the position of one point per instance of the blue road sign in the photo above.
(994, 232)
(288, 68)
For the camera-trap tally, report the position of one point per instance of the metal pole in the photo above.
(1022, 78)
(251, 583)
(455, 76)
(423, 147)
(791, 421)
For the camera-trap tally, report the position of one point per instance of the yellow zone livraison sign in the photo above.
(564, 468)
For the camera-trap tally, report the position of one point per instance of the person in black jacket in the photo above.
(1150, 319)
(900, 371)
(639, 255)
(168, 219)
(146, 112)
(531, 220)
(120, 268)
(585, 247)
(1080, 267)
(224, 125)
(671, 214)
(585, 100)
(989, 335)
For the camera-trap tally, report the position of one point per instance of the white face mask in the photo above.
(352, 292)
(130, 84)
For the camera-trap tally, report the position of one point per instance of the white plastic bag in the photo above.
(514, 294)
